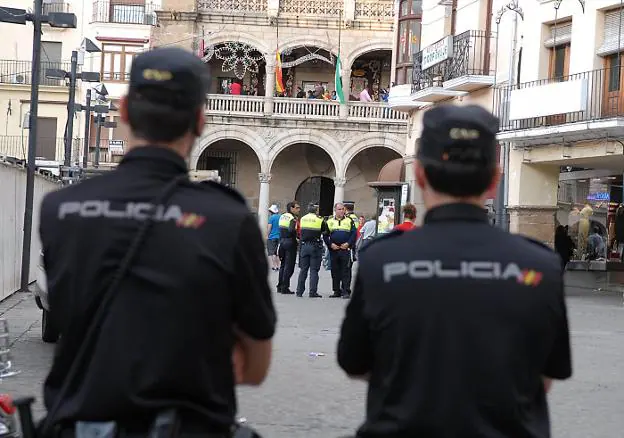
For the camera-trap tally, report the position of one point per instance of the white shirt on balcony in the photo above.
(364, 96)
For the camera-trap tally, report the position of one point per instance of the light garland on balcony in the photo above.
(237, 57)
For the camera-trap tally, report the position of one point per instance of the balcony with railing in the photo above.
(124, 12)
(453, 66)
(310, 109)
(580, 106)
(19, 72)
(49, 7)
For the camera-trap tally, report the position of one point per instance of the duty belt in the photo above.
(311, 242)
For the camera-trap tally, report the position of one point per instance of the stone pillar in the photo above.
(532, 197)
(269, 86)
(339, 184)
(346, 90)
(263, 200)
(415, 195)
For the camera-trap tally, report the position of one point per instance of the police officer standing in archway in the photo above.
(288, 245)
(162, 306)
(312, 227)
(458, 326)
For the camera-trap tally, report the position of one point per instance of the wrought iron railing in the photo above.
(471, 56)
(602, 94)
(19, 72)
(124, 11)
(55, 7)
(16, 146)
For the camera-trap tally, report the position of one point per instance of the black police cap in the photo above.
(459, 136)
(173, 71)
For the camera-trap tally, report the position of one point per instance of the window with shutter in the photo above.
(560, 35)
(613, 35)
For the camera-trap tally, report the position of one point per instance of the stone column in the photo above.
(532, 197)
(346, 90)
(339, 184)
(269, 86)
(263, 200)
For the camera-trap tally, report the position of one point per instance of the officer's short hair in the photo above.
(312, 207)
(458, 149)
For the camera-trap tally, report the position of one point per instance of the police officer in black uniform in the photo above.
(458, 326)
(162, 333)
(312, 226)
(288, 245)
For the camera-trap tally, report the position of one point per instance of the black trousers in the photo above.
(287, 253)
(310, 258)
(341, 271)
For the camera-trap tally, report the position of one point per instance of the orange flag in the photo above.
(279, 83)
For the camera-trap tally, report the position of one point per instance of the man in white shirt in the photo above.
(365, 95)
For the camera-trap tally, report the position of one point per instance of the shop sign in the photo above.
(599, 196)
(437, 52)
(116, 147)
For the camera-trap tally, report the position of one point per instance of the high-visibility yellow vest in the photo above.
(344, 224)
(355, 219)
(311, 222)
(284, 220)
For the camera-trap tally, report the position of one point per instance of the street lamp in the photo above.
(54, 19)
(101, 122)
(56, 73)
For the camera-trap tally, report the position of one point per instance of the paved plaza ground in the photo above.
(308, 395)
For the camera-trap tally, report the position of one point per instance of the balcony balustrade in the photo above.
(124, 12)
(286, 107)
(468, 68)
(19, 72)
(586, 105)
(55, 7)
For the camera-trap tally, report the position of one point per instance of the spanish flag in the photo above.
(279, 83)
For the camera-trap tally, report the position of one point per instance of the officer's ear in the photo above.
(200, 121)
(421, 180)
(123, 110)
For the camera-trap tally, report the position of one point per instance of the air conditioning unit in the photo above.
(149, 19)
(18, 78)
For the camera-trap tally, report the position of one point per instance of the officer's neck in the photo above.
(433, 200)
(181, 146)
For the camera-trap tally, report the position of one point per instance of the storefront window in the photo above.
(587, 206)
(410, 7)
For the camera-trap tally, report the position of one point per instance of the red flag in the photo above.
(279, 82)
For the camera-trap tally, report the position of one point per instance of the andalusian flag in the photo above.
(279, 83)
(338, 81)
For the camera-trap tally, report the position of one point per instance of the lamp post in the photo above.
(72, 75)
(101, 122)
(54, 19)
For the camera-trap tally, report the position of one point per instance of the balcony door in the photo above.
(559, 71)
(613, 99)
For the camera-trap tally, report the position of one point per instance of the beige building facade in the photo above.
(563, 121)
(275, 146)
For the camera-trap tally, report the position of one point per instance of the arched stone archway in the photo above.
(309, 41)
(365, 47)
(371, 140)
(307, 136)
(242, 134)
(225, 36)
(363, 160)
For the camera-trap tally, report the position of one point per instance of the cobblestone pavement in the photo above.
(308, 396)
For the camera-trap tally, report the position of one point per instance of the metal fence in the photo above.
(19, 72)
(602, 98)
(124, 11)
(471, 56)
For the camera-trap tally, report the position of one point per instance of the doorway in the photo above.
(613, 99)
(318, 189)
(46, 138)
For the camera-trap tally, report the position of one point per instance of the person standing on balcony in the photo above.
(300, 93)
(288, 246)
(311, 254)
(235, 87)
(319, 90)
(365, 95)
(340, 238)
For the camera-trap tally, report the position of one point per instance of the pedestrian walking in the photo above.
(458, 326)
(288, 245)
(340, 238)
(273, 236)
(162, 306)
(311, 253)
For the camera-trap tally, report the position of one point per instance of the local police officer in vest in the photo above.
(287, 251)
(349, 212)
(311, 253)
(458, 326)
(152, 292)
(340, 239)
